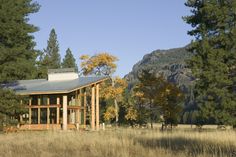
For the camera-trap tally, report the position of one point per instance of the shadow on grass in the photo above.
(192, 147)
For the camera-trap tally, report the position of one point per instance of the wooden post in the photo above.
(85, 104)
(78, 103)
(30, 101)
(97, 107)
(58, 110)
(64, 124)
(93, 108)
(39, 116)
(77, 111)
(79, 97)
(48, 111)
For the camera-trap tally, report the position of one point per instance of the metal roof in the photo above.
(43, 86)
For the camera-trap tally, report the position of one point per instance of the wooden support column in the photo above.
(93, 108)
(39, 114)
(97, 107)
(48, 111)
(30, 113)
(58, 110)
(85, 105)
(78, 111)
(64, 124)
(80, 97)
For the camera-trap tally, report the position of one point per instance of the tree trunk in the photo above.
(116, 105)
(191, 119)
(117, 111)
(151, 116)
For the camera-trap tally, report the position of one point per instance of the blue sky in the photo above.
(128, 29)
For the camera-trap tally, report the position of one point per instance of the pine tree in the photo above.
(17, 54)
(52, 57)
(213, 63)
(69, 60)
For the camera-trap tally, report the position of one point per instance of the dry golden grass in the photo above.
(119, 143)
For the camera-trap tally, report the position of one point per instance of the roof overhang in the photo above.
(40, 87)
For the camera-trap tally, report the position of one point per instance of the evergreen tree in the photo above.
(214, 60)
(69, 60)
(41, 65)
(17, 54)
(52, 59)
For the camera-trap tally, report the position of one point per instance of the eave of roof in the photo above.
(42, 86)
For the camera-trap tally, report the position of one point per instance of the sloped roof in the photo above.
(43, 86)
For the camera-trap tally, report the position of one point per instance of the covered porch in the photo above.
(62, 101)
(71, 110)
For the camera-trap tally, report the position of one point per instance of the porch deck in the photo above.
(45, 127)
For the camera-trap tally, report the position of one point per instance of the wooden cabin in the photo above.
(61, 101)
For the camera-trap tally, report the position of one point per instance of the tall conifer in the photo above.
(69, 60)
(17, 54)
(52, 57)
(214, 60)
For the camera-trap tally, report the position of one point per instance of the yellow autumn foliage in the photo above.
(99, 64)
(112, 92)
(131, 114)
(110, 113)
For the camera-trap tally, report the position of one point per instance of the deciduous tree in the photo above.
(169, 98)
(99, 64)
(103, 64)
(114, 92)
(160, 95)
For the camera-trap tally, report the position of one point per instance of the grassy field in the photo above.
(119, 143)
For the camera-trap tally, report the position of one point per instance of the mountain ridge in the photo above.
(171, 63)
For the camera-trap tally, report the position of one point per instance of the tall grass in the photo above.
(118, 143)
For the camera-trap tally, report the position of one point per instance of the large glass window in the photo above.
(43, 116)
(53, 115)
(44, 100)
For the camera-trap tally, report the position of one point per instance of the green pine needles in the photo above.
(214, 60)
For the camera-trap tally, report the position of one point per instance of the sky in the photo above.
(127, 29)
